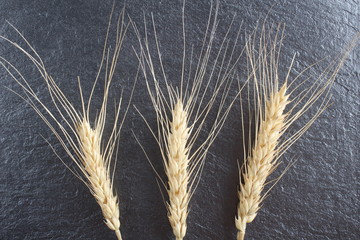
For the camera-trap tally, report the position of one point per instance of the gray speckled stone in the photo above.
(40, 199)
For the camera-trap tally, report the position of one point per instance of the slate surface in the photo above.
(40, 199)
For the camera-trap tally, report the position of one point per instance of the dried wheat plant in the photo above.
(183, 110)
(278, 103)
(81, 138)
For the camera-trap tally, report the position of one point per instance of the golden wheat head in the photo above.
(81, 138)
(276, 108)
(183, 107)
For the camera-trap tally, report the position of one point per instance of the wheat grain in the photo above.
(272, 119)
(84, 143)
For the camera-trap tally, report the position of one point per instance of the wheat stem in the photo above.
(118, 234)
(241, 234)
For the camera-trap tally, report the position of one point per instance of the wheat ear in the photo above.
(84, 143)
(272, 119)
(177, 170)
(99, 179)
(181, 111)
(261, 161)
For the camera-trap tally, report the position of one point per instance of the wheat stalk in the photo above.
(84, 143)
(182, 111)
(271, 101)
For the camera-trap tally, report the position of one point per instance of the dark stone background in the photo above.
(318, 198)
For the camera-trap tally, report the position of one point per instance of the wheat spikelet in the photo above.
(84, 143)
(276, 108)
(182, 109)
